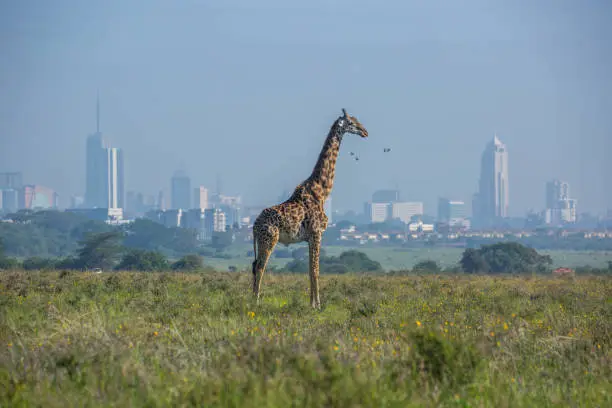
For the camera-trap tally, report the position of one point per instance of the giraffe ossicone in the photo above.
(301, 218)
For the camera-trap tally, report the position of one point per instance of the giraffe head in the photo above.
(350, 124)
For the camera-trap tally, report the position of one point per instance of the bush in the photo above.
(427, 266)
(349, 261)
(35, 262)
(504, 257)
(141, 260)
(191, 262)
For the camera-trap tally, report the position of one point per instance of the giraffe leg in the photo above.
(314, 246)
(265, 246)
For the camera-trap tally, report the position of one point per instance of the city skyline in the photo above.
(433, 82)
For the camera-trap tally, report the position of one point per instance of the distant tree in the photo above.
(349, 261)
(472, 261)
(191, 262)
(6, 262)
(142, 260)
(427, 266)
(100, 250)
(504, 257)
(357, 261)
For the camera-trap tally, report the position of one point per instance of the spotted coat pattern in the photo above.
(301, 218)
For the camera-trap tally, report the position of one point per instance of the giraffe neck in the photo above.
(324, 171)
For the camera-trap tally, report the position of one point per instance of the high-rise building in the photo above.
(560, 208)
(181, 190)
(11, 185)
(10, 200)
(11, 180)
(385, 196)
(104, 172)
(493, 193)
(200, 198)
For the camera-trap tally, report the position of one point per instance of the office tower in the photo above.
(104, 171)
(11, 180)
(200, 198)
(181, 191)
(493, 194)
(385, 196)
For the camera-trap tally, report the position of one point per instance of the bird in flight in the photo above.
(386, 149)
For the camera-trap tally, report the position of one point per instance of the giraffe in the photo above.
(301, 218)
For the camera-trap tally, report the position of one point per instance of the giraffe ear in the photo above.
(344, 113)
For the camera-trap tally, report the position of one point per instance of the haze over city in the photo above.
(249, 93)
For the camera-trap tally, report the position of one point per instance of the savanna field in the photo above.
(73, 339)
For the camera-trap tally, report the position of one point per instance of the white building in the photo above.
(404, 211)
(200, 198)
(377, 212)
(214, 221)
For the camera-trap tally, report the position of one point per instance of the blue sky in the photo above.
(249, 90)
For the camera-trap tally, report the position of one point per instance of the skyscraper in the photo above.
(104, 184)
(181, 191)
(493, 193)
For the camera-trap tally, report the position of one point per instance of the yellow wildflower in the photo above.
(418, 323)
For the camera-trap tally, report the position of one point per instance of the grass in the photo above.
(138, 339)
(405, 258)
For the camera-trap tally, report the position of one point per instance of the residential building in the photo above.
(492, 201)
(181, 191)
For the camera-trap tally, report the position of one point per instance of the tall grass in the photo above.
(138, 339)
